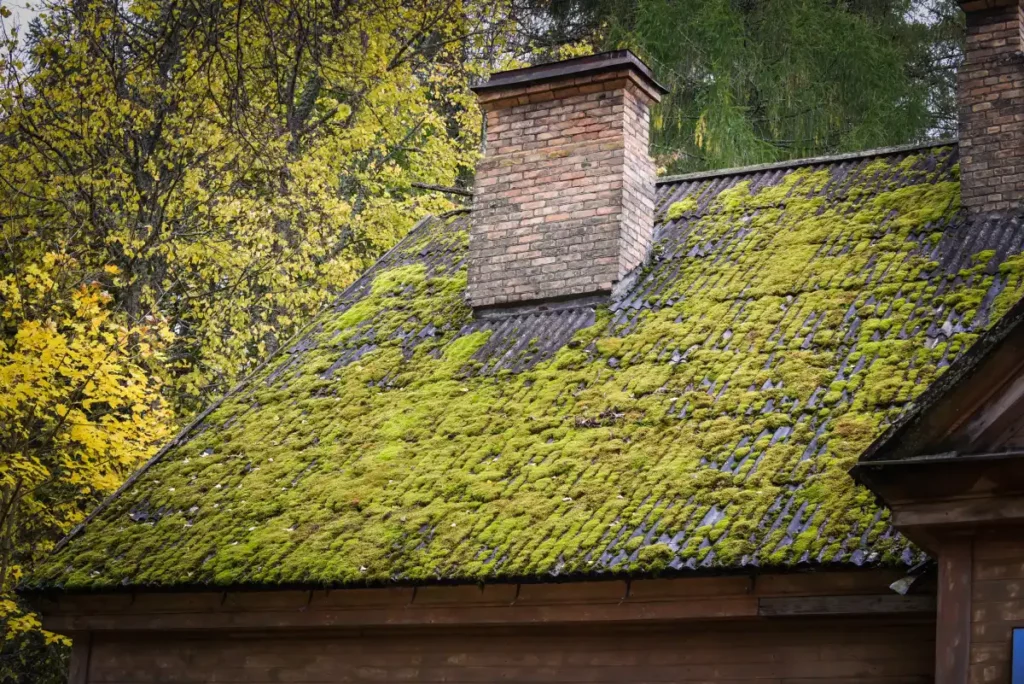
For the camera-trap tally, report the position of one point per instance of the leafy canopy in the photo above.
(237, 162)
(755, 82)
(79, 406)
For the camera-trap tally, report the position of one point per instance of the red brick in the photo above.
(571, 170)
(990, 99)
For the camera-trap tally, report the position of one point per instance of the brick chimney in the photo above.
(563, 204)
(991, 84)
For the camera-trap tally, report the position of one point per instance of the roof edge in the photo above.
(960, 370)
(807, 161)
(620, 575)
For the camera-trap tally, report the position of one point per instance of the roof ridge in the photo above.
(807, 161)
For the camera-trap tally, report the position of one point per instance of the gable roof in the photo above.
(704, 421)
(930, 427)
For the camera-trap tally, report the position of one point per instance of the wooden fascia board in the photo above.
(960, 513)
(886, 604)
(826, 593)
(944, 478)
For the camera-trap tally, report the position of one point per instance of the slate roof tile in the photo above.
(705, 421)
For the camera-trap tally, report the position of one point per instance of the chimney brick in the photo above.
(563, 203)
(991, 84)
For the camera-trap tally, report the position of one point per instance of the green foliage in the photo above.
(754, 82)
(696, 431)
(28, 658)
(237, 162)
(80, 407)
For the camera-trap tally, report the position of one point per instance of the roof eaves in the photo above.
(614, 575)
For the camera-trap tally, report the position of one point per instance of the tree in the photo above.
(182, 185)
(237, 162)
(754, 82)
(79, 406)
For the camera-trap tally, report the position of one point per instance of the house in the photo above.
(601, 428)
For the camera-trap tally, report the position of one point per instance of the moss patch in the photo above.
(679, 209)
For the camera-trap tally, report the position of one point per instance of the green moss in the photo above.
(681, 208)
(727, 412)
(463, 348)
(655, 557)
(356, 314)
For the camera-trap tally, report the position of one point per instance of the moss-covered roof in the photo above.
(706, 420)
(913, 435)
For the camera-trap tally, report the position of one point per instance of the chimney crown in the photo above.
(991, 104)
(563, 201)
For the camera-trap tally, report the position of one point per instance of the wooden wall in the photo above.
(792, 628)
(786, 650)
(997, 603)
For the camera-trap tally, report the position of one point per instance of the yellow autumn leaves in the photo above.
(79, 406)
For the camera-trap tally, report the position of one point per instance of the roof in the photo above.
(912, 436)
(703, 422)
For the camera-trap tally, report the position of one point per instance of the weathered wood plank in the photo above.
(566, 603)
(886, 604)
(879, 649)
(960, 512)
(517, 614)
(81, 650)
(953, 619)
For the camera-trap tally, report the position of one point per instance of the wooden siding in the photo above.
(997, 603)
(791, 651)
(797, 628)
(833, 594)
(1014, 438)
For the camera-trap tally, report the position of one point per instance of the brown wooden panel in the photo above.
(78, 672)
(846, 605)
(953, 636)
(805, 650)
(997, 603)
(709, 598)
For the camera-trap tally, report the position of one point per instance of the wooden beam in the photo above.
(409, 616)
(991, 420)
(81, 651)
(886, 604)
(953, 619)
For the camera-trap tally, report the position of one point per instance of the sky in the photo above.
(21, 12)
